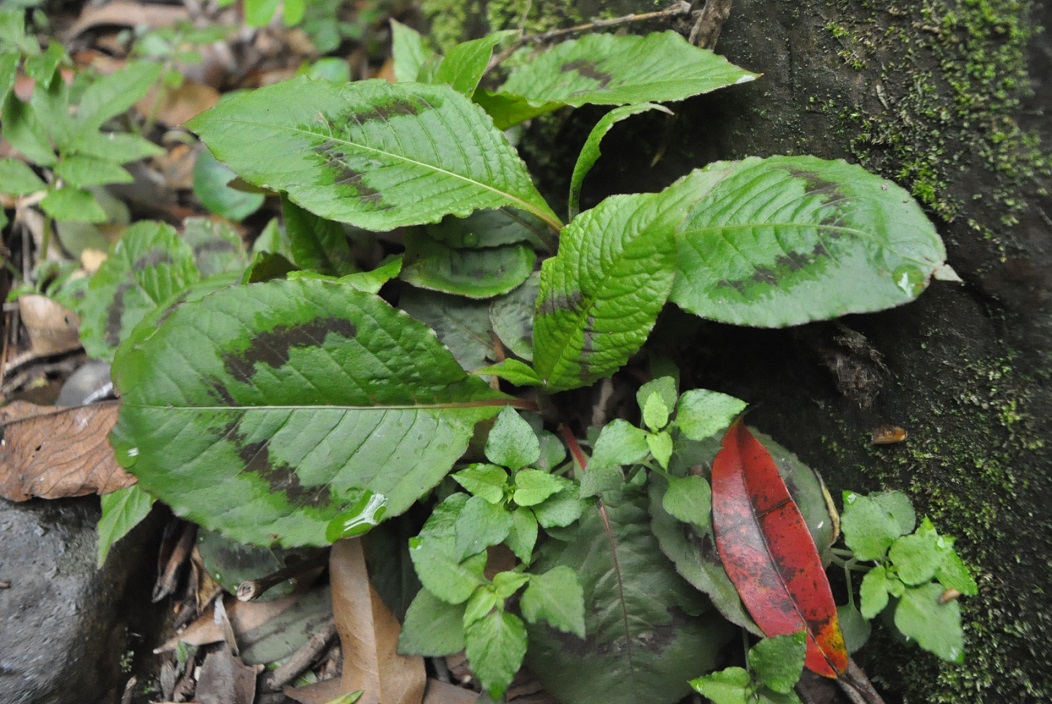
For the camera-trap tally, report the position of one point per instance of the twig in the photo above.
(302, 658)
(166, 581)
(856, 685)
(676, 10)
(706, 30)
(254, 588)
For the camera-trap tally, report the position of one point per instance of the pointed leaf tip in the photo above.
(769, 554)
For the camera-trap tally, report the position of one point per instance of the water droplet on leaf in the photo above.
(910, 279)
(359, 519)
(125, 454)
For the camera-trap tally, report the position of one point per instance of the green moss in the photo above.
(957, 467)
(952, 75)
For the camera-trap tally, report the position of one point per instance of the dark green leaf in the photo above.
(287, 632)
(869, 528)
(590, 152)
(935, 626)
(874, 592)
(26, 131)
(316, 243)
(111, 95)
(146, 268)
(514, 371)
(916, 557)
(432, 627)
(512, 442)
(230, 563)
(523, 534)
(638, 648)
(509, 110)
(619, 443)
(434, 555)
(855, 627)
(464, 64)
(728, 686)
(483, 480)
(462, 324)
(42, 67)
(512, 317)
(264, 410)
(600, 296)
(81, 170)
(533, 486)
(495, 646)
(952, 573)
(689, 499)
(122, 510)
(217, 248)
(560, 510)
(487, 228)
(786, 240)
(409, 51)
(374, 154)
(475, 273)
(601, 478)
(606, 69)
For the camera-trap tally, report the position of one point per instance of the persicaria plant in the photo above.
(393, 343)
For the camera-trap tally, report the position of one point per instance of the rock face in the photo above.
(935, 96)
(68, 629)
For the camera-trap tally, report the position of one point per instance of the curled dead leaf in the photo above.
(887, 435)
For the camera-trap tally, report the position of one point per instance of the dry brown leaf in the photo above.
(369, 634)
(318, 693)
(244, 616)
(127, 14)
(439, 692)
(224, 679)
(52, 328)
(51, 453)
(176, 106)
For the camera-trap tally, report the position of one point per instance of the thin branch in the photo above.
(254, 588)
(679, 9)
(706, 30)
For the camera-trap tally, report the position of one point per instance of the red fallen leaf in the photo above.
(769, 554)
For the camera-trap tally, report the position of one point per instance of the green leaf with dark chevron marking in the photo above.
(146, 267)
(600, 296)
(787, 240)
(370, 153)
(604, 69)
(262, 410)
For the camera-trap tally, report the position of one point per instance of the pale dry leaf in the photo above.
(175, 106)
(51, 453)
(225, 679)
(52, 328)
(439, 692)
(318, 693)
(127, 14)
(369, 634)
(244, 616)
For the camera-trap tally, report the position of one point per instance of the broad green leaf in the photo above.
(523, 534)
(146, 268)
(619, 443)
(432, 627)
(555, 597)
(50, 104)
(480, 525)
(330, 68)
(512, 317)
(486, 481)
(533, 486)
(952, 573)
(779, 661)
(258, 13)
(111, 95)
(600, 479)
(370, 153)
(869, 528)
(899, 508)
(293, 11)
(495, 646)
(116, 147)
(217, 248)
(122, 510)
(17, 179)
(481, 603)
(211, 179)
(873, 593)
(664, 387)
(512, 442)
(230, 563)
(42, 67)
(935, 626)
(655, 412)
(855, 627)
(264, 410)
(464, 64)
(702, 413)
(81, 170)
(606, 69)
(462, 324)
(365, 281)
(514, 371)
(689, 499)
(409, 50)
(8, 71)
(560, 510)
(787, 240)
(316, 243)
(475, 273)
(435, 559)
(590, 152)
(26, 132)
(72, 204)
(600, 296)
(505, 584)
(916, 557)
(637, 648)
(728, 686)
(487, 228)
(509, 110)
(660, 446)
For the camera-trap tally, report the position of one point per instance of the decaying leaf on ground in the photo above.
(52, 453)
